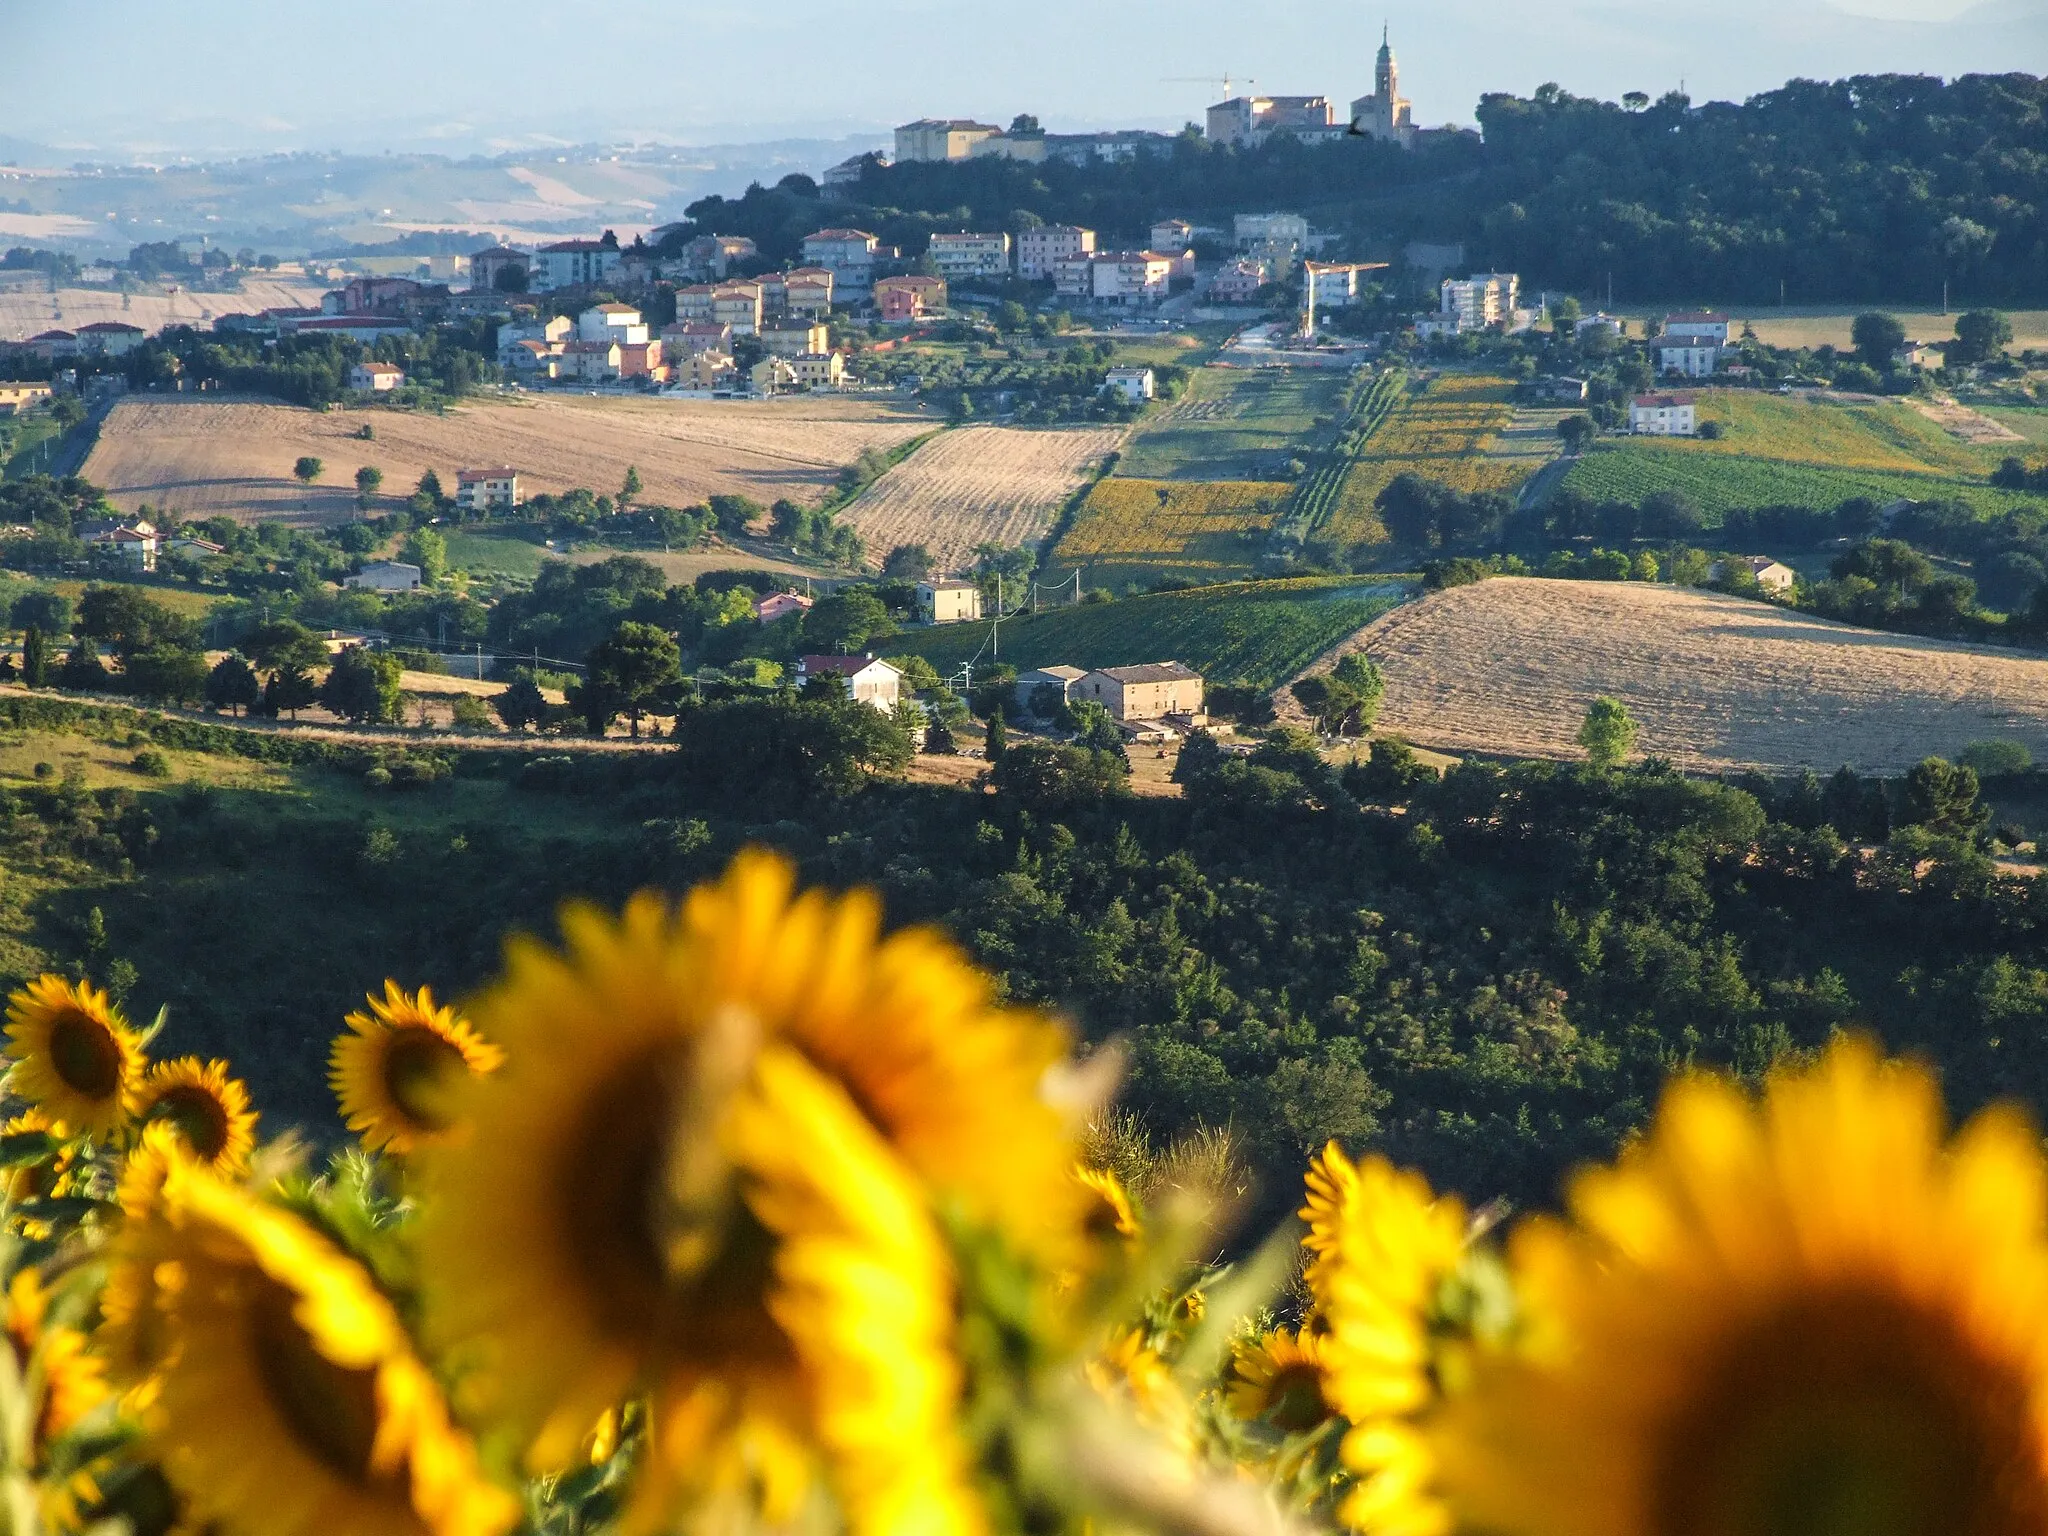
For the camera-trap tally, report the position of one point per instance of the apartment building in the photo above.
(793, 336)
(612, 322)
(738, 305)
(1115, 277)
(968, 255)
(807, 291)
(1663, 416)
(1172, 235)
(1038, 249)
(818, 370)
(1239, 281)
(848, 254)
(686, 338)
(486, 490)
(1480, 301)
(909, 298)
(575, 263)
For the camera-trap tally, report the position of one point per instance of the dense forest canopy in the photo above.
(1872, 188)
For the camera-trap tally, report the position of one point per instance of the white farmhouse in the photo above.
(386, 576)
(868, 681)
(1663, 416)
(1134, 384)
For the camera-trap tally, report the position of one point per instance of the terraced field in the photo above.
(1206, 530)
(1248, 632)
(1442, 431)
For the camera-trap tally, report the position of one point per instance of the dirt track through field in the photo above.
(202, 457)
(978, 485)
(1716, 683)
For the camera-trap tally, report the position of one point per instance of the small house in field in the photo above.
(1062, 678)
(1134, 384)
(375, 378)
(386, 576)
(1663, 416)
(947, 601)
(1769, 574)
(777, 604)
(134, 542)
(1153, 691)
(868, 681)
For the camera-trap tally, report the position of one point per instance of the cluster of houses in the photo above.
(1141, 699)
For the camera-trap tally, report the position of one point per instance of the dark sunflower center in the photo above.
(611, 1193)
(418, 1067)
(1853, 1414)
(86, 1055)
(1295, 1399)
(200, 1118)
(330, 1409)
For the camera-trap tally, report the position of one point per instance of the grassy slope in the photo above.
(1251, 632)
(1235, 424)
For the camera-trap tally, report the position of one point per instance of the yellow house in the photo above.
(1150, 692)
(948, 602)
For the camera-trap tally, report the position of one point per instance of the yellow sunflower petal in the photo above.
(1807, 1313)
(73, 1054)
(396, 1067)
(1281, 1376)
(207, 1108)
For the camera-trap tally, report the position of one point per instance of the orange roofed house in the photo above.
(909, 298)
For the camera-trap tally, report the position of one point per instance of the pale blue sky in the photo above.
(207, 75)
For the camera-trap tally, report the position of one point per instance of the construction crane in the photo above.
(1203, 80)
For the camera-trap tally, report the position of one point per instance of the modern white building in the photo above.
(1039, 249)
(1663, 416)
(575, 263)
(1127, 277)
(612, 322)
(1480, 301)
(970, 255)
(1699, 328)
(1134, 384)
(1694, 362)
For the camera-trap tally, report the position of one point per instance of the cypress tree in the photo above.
(998, 737)
(35, 658)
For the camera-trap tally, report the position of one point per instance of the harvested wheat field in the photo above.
(198, 458)
(26, 313)
(1509, 665)
(979, 485)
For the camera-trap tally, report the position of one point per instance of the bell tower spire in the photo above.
(1386, 77)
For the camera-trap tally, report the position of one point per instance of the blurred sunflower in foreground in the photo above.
(1808, 1315)
(717, 1168)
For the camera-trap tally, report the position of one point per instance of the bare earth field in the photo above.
(1508, 666)
(23, 315)
(979, 485)
(200, 458)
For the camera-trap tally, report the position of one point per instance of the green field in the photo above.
(1629, 471)
(1259, 633)
(485, 555)
(1238, 424)
(2030, 421)
(1795, 450)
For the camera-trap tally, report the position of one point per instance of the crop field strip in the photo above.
(1716, 683)
(198, 458)
(978, 485)
(1372, 400)
(1207, 529)
(1441, 431)
(1251, 632)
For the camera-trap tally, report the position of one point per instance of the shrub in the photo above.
(1996, 759)
(150, 762)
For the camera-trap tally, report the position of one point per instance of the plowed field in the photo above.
(199, 458)
(978, 485)
(1508, 666)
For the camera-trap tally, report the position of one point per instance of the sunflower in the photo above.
(395, 1066)
(73, 1384)
(286, 1397)
(1280, 1377)
(73, 1053)
(1111, 1213)
(47, 1176)
(1382, 1247)
(208, 1109)
(866, 1294)
(593, 1237)
(1808, 1314)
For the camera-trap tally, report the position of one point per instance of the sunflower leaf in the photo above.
(26, 1147)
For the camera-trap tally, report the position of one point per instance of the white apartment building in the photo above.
(1254, 231)
(848, 254)
(1699, 328)
(807, 291)
(1172, 235)
(1129, 277)
(611, 322)
(1694, 362)
(737, 305)
(482, 490)
(575, 263)
(1663, 416)
(1038, 249)
(1481, 300)
(970, 255)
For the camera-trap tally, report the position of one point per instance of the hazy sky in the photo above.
(209, 75)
